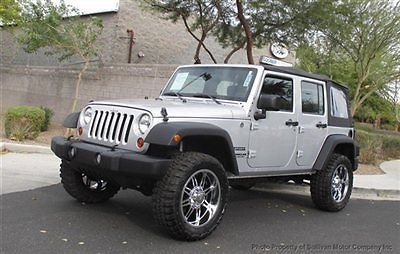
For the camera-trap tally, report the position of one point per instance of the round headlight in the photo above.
(144, 123)
(86, 116)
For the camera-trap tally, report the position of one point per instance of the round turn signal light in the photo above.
(177, 138)
(140, 142)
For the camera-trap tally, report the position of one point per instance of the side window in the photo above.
(312, 98)
(338, 103)
(282, 87)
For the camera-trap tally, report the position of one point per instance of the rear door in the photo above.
(312, 129)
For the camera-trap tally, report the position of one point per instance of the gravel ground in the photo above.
(365, 169)
(44, 138)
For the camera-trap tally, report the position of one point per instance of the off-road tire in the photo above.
(167, 195)
(72, 182)
(242, 186)
(321, 184)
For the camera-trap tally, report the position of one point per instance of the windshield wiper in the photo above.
(206, 76)
(177, 94)
(204, 95)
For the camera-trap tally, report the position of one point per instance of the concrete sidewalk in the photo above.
(27, 171)
(388, 181)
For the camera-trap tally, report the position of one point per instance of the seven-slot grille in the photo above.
(109, 126)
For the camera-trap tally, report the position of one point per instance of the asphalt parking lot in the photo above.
(38, 216)
(47, 220)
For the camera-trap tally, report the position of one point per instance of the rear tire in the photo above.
(331, 187)
(86, 188)
(190, 200)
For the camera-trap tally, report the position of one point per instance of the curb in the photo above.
(21, 148)
(304, 189)
(359, 193)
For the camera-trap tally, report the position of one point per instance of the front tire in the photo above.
(190, 200)
(86, 188)
(331, 187)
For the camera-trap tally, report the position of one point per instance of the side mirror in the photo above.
(267, 102)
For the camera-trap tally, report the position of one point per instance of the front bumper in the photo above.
(117, 162)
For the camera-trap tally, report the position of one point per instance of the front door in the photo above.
(312, 122)
(273, 139)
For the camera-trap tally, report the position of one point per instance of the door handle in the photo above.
(321, 125)
(291, 123)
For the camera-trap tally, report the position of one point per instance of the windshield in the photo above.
(226, 83)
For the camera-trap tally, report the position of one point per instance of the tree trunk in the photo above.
(78, 84)
(234, 50)
(197, 53)
(198, 40)
(69, 132)
(247, 31)
(378, 122)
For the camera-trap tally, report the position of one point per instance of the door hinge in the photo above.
(254, 126)
(252, 154)
(300, 153)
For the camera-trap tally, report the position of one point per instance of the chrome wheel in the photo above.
(95, 185)
(200, 198)
(340, 183)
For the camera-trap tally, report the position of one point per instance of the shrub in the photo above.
(391, 142)
(365, 127)
(23, 122)
(391, 147)
(376, 147)
(48, 114)
(370, 147)
(388, 127)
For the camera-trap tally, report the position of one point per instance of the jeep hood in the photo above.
(180, 109)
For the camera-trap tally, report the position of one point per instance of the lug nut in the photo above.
(98, 159)
(72, 152)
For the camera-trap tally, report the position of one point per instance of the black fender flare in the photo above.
(71, 121)
(329, 146)
(162, 134)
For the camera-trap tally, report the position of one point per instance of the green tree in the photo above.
(365, 34)
(257, 23)
(241, 23)
(392, 94)
(198, 16)
(10, 12)
(46, 28)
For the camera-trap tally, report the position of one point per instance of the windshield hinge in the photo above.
(300, 153)
(252, 154)
(254, 126)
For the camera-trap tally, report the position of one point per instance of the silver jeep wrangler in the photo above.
(213, 126)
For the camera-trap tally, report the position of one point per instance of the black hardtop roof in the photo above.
(299, 72)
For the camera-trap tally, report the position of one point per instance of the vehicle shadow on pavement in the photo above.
(128, 209)
(299, 200)
(48, 220)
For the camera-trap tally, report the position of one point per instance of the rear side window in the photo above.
(339, 106)
(312, 98)
(282, 87)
